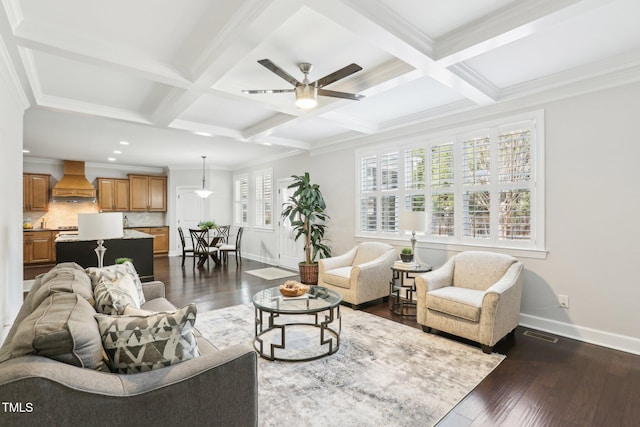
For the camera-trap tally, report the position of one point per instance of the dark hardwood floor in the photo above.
(540, 383)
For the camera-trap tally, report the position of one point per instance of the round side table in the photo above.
(401, 289)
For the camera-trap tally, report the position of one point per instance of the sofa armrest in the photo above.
(338, 261)
(153, 290)
(220, 386)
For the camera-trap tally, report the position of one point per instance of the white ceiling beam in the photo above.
(65, 104)
(506, 26)
(242, 33)
(70, 47)
(381, 26)
(205, 129)
(267, 126)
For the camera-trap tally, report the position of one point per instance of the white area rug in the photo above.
(272, 273)
(384, 374)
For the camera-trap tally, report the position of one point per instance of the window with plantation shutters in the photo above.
(264, 199)
(514, 177)
(241, 200)
(379, 193)
(368, 194)
(415, 179)
(477, 187)
(442, 175)
(476, 198)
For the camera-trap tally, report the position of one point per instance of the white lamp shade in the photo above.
(100, 226)
(413, 221)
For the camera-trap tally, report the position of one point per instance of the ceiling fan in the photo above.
(307, 92)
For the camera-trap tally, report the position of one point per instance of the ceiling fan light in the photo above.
(306, 97)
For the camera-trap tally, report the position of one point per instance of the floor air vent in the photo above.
(541, 336)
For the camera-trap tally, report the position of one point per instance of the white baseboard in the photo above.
(258, 258)
(581, 333)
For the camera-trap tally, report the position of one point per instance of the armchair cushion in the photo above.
(459, 302)
(339, 277)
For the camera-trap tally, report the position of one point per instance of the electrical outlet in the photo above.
(564, 301)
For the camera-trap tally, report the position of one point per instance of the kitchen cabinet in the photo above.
(38, 247)
(35, 190)
(113, 194)
(147, 193)
(160, 238)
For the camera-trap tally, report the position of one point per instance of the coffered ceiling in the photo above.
(168, 76)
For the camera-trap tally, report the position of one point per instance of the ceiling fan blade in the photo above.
(337, 75)
(333, 93)
(279, 71)
(268, 91)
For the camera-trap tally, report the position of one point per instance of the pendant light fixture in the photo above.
(204, 193)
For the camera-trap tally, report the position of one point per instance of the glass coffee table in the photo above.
(299, 328)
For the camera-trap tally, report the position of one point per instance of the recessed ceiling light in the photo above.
(124, 142)
(112, 159)
(26, 151)
(117, 152)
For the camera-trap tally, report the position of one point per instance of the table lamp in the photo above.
(413, 221)
(100, 227)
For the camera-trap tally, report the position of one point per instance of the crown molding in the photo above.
(9, 74)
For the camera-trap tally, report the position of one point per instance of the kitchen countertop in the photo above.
(76, 229)
(128, 234)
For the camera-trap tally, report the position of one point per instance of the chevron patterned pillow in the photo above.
(142, 343)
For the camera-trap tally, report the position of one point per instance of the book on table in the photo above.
(410, 265)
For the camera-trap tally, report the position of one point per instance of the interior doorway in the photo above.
(189, 212)
(290, 252)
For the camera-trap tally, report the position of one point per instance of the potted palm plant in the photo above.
(305, 210)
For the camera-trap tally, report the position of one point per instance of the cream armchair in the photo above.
(360, 275)
(474, 295)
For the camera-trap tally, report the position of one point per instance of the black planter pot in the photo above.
(406, 257)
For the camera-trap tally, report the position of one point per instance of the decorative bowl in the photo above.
(291, 288)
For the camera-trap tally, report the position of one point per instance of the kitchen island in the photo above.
(134, 244)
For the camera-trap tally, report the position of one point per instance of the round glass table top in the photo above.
(315, 300)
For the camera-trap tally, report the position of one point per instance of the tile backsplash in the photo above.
(65, 214)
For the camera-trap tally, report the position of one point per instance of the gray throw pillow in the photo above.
(142, 343)
(60, 328)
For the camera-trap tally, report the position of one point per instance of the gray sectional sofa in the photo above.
(60, 381)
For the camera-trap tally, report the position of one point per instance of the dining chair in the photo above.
(223, 234)
(226, 248)
(185, 250)
(201, 247)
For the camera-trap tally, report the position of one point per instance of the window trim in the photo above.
(261, 202)
(537, 244)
